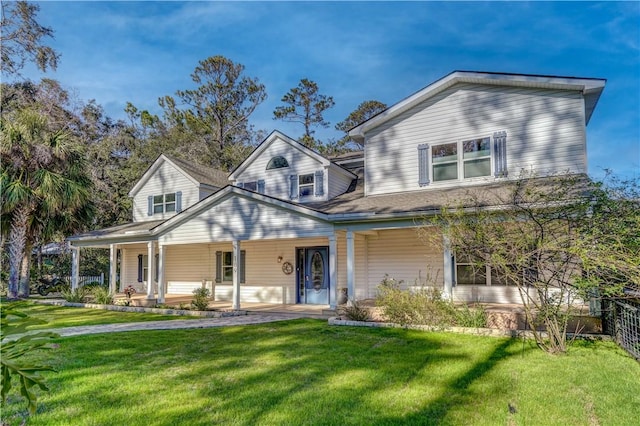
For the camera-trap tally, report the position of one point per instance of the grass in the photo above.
(61, 316)
(307, 372)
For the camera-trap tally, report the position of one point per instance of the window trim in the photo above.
(164, 203)
(311, 185)
(488, 274)
(272, 166)
(460, 160)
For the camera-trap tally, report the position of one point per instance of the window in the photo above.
(277, 162)
(305, 185)
(474, 162)
(164, 203)
(476, 157)
(251, 186)
(143, 268)
(227, 266)
(471, 271)
(224, 266)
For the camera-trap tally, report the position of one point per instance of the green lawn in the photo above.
(62, 316)
(307, 372)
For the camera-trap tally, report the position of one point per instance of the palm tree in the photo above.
(43, 177)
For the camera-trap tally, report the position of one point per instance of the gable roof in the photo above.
(591, 89)
(276, 135)
(199, 175)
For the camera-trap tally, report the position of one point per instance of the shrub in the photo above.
(471, 317)
(201, 298)
(75, 296)
(354, 311)
(102, 296)
(423, 306)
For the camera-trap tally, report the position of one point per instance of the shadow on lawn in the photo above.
(295, 372)
(457, 392)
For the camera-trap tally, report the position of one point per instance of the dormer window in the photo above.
(277, 162)
(305, 185)
(165, 203)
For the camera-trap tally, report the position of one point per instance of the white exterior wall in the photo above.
(338, 183)
(239, 218)
(545, 133)
(165, 180)
(403, 256)
(277, 182)
(129, 269)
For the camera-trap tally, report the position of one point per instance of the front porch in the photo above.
(184, 300)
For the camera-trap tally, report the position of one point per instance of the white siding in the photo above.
(188, 265)
(239, 218)
(165, 180)
(338, 183)
(403, 256)
(545, 132)
(129, 266)
(486, 294)
(277, 180)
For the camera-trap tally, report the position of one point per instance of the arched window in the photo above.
(277, 162)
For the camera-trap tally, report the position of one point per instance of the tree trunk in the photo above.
(17, 241)
(24, 281)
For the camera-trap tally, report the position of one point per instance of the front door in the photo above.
(313, 275)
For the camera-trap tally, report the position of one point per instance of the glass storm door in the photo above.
(314, 279)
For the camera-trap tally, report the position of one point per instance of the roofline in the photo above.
(294, 143)
(153, 167)
(591, 88)
(222, 194)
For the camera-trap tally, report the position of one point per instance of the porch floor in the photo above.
(175, 300)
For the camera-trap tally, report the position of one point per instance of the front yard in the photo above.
(307, 372)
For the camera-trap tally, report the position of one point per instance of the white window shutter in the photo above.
(500, 153)
(319, 183)
(423, 164)
(293, 187)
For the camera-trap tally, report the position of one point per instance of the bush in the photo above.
(471, 317)
(75, 296)
(102, 296)
(354, 311)
(201, 298)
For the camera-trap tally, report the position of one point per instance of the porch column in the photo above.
(333, 268)
(161, 283)
(123, 270)
(113, 267)
(447, 291)
(350, 267)
(75, 267)
(236, 275)
(151, 270)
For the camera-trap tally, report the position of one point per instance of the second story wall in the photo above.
(544, 132)
(286, 170)
(169, 189)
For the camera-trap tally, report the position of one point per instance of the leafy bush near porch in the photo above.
(75, 296)
(201, 298)
(354, 311)
(102, 296)
(424, 306)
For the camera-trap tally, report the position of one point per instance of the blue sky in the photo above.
(116, 52)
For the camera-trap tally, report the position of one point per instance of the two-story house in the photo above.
(291, 226)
